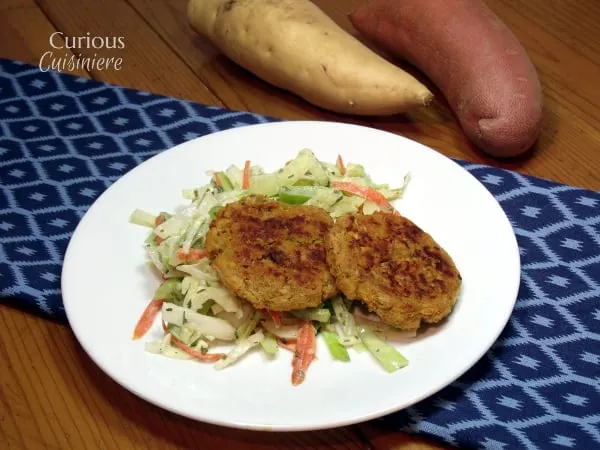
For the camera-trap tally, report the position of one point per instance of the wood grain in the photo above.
(25, 32)
(382, 438)
(148, 63)
(53, 396)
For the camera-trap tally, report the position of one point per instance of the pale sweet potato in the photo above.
(473, 57)
(294, 45)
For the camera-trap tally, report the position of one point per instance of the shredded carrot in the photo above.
(217, 179)
(206, 357)
(340, 164)
(147, 319)
(288, 345)
(365, 192)
(306, 347)
(246, 177)
(191, 257)
(275, 317)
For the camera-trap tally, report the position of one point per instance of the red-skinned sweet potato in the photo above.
(473, 57)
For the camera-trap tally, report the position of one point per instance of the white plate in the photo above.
(106, 285)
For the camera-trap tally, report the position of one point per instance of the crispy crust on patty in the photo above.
(394, 267)
(272, 254)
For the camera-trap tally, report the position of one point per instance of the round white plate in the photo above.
(106, 284)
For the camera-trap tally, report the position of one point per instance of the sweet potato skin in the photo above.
(473, 57)
(294, 45)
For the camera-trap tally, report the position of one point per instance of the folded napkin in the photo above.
(64, 140)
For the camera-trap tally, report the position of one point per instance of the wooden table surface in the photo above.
(53, 396)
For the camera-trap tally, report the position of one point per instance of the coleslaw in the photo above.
(199, 315)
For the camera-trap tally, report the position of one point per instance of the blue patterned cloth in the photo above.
(64, 140)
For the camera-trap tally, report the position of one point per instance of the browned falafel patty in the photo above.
(394, 267)
(272, 254)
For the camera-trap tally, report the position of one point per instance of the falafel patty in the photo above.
(272, 254)
(394, 267)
